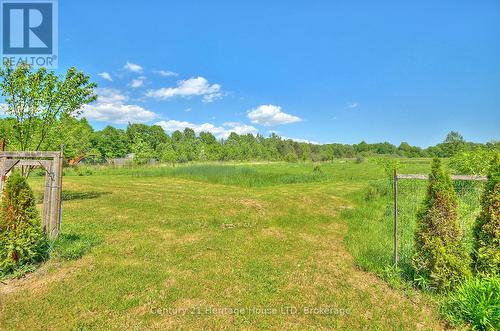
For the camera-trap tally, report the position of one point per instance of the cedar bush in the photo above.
(487, 229)
(22, 241)
(440, 260)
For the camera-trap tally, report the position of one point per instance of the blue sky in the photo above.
(323, 71)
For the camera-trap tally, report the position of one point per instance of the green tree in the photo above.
(487, 230)
(167, 153)
(475, 161)
(76, 135)
(22, 241)
(143, 152)
(111, 142)
(36, 100)
(452, 144)
(210, 145)
(440, 258)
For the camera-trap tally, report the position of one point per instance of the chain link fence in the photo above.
(410, 195)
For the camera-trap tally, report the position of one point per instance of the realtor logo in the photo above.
(29, 32)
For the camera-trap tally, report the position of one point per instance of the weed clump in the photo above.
(22, 241)
(440, 260)
(476, 303)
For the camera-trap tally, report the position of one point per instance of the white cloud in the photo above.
(132, 67)
(198, 86)
(137, 82)
(269, 115)
(299, 140)
(165, 73)
(105, 75)
(187, 110)
(111, 107)
(352, 105)
(218, 131)
(110, 95)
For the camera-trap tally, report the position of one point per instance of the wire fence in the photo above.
(410, 196)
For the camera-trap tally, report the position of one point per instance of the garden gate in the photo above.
(52, 163)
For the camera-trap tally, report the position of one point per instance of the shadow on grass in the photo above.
(73, 246)
(75, 195)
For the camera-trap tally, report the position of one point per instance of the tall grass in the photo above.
(369, 236)
(476, 302)
(242, 175)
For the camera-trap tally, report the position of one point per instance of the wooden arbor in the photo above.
(52, 162)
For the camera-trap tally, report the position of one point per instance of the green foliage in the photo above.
(22, 240)
(388, 164)
(111, 142)
(487, 230)
(359, 159)
(167, 153)
(475, 303)
(317, 169)
(233, 175)
(143, 152)
(73, 246)
(369, 236)
(440, 257)
(36, 99)
(473, 162)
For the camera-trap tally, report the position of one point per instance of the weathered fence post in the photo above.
(56, 187)
(52, 162)
(395, 227)
(2, 164)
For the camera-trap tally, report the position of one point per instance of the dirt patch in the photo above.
(251, 203)
(273, 233)
(40, 280)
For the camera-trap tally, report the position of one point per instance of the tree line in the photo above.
(148, 142)
(43, 110)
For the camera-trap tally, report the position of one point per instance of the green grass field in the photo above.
(253, 246)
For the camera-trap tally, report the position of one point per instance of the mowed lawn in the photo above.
(181, 252)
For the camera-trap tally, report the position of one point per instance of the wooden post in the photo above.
(2, 165)
(55, 205)
(395, 227)
(58, 200)
(47, 198)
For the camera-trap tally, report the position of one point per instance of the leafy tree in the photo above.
(487, 230)
(36, 100)
(452, 144)
(142, 152)
(167, 153)
(210, 145)
(291, 157)
(440, 259)
(454, 138)
(22, 241)
(111, 142)
(153, 135)
(407, 150)
(231, 147)
(76, 135)
(7, 131)
(475, 161)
